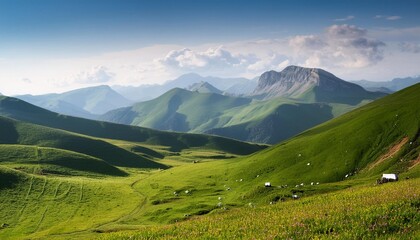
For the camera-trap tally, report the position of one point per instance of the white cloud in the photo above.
(344, 46)
(390, 18)
(95, 75)
(215, 58)
(350, 17)
(393, 18)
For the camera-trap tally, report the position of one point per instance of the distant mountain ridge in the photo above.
(236, 86)
(84, 102)
(310, 84)
(394, 85)
(204, 87)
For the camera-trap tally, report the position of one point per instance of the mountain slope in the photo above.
(273, 121)
(312, 85)
(20, 110)
(84, 102)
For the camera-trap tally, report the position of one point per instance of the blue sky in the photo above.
(40, 32)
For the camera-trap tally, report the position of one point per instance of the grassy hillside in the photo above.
(346, 145)
(17, 109)
(15, 132)
(383, 212)
(177, 110)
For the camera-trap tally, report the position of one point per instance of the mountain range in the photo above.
(235, 86)
(292, 101)
(84, 102)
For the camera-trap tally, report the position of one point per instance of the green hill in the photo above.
(348, 145)
(269, 121)
(176, 110)
(16, 132)
(20, 110)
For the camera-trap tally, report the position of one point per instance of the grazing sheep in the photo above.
(267, 184)
(294, 196)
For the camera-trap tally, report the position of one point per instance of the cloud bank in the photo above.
(344, 46)
(95, 75)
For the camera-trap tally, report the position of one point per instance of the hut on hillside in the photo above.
(388, 177)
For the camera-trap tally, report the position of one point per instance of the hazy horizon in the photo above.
(56, 46)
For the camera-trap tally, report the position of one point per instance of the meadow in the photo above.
(389, 211)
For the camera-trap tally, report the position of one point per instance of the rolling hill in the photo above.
(21, 133)
(20, 110)
(84, 102)
(48, 161)
(310, 85)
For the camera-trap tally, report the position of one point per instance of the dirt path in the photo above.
(415, 163)
(390, 153)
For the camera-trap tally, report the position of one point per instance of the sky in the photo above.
(56, 45)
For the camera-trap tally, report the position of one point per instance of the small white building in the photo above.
(387, 177)
(390, 177)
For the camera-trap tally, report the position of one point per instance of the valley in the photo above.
(65, 181)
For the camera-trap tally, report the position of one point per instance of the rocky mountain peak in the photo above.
(204, 87)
